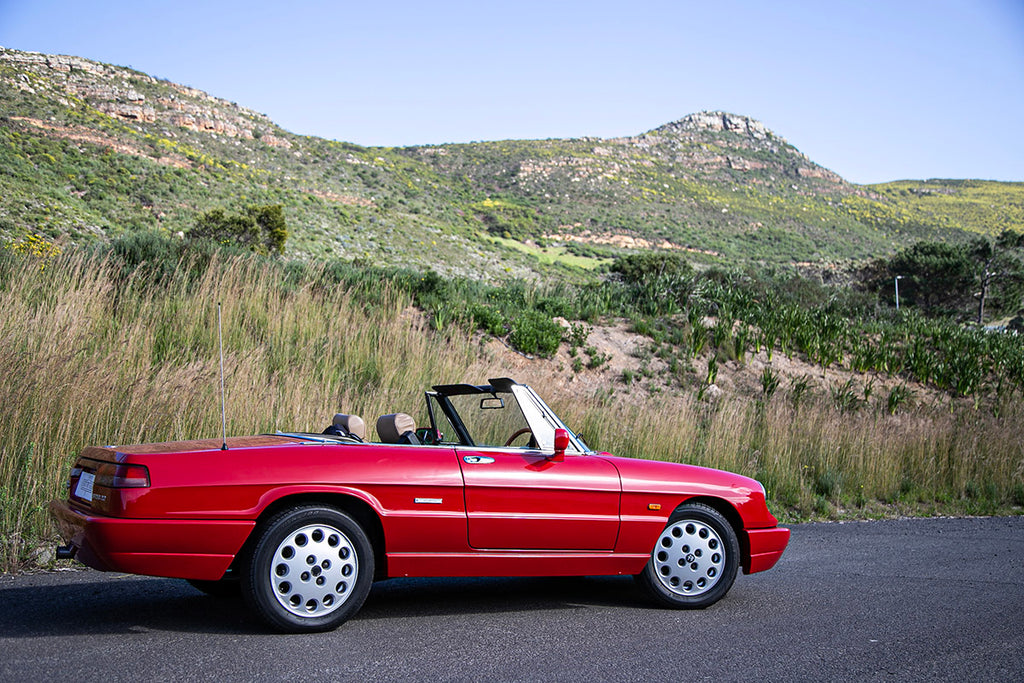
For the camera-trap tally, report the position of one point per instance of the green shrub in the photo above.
(577, 336)
(899, 397)
(597, 359)
(535, 333)
(769, 382)
(488, 319)
(260, 228)
(650, 265)
(146, 247)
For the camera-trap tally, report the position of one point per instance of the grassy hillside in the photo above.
(88, 151)
(975, 206)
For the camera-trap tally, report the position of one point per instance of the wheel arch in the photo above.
(355, 507)
(732, 515)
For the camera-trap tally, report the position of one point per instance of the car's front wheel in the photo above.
(695, 559)
(310, 570)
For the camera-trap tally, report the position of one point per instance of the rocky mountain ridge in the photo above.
(690, 127)
(93, 150)
(719, 121)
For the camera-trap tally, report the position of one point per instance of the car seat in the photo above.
(397, 428)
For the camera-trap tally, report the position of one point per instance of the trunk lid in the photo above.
(104, 478)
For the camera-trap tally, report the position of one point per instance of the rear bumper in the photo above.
(766, 547)
(186, 549)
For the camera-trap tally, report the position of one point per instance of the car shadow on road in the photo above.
(120, 604)
(401, 598)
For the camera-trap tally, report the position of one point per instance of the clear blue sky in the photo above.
(874, 90)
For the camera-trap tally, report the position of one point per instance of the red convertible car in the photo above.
(494, 484)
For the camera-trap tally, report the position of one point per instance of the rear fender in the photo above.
(358, 504)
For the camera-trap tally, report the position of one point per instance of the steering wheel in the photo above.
(517, 434)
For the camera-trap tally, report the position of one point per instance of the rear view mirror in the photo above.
(561, 443)
(493, 403)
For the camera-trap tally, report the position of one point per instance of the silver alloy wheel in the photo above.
(689, 558)
(314, 570)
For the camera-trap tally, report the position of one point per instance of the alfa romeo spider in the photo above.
(492, 483)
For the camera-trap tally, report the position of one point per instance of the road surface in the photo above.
(935, 599)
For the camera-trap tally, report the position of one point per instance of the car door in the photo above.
(520, 499)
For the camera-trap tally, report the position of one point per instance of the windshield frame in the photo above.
(539, 417)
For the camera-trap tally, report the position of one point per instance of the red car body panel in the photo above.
(443, 510)
(187, 549)
(511, 563)
(764, 548)
(524, 501)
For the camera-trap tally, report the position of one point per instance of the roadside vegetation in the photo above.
(119, 345)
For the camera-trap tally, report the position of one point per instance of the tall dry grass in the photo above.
(818, 461)
(91, 356)
(85, 361)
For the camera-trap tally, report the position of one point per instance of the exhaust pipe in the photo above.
(66, 552)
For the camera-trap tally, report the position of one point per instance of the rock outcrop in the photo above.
(117, 92)
(720, 121)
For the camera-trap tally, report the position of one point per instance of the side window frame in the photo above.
(450, 416)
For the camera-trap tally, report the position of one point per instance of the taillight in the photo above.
(75, 473)
(120, 476)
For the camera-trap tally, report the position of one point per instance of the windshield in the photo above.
(490, 420)
(501, 414)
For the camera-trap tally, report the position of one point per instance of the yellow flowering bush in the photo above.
(33, 244)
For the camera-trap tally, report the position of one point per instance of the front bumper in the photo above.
(186, 548)
(766, 547)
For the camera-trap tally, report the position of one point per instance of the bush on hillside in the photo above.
(260, 228)
(535, 333)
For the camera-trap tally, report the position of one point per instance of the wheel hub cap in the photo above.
(689, 558)
(314, 570)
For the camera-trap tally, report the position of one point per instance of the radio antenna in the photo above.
(223, 410)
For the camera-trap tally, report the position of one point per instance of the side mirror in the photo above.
(561, 443)
(428, 436)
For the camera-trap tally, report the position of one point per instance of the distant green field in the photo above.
(555, 255)
(978, 206)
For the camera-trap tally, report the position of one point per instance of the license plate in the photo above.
(84, 488)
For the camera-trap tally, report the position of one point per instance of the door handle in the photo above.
(477, 459)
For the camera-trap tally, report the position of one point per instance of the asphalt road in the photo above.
(939, 599)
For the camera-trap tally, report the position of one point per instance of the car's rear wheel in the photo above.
(695, 559)
(310, 570)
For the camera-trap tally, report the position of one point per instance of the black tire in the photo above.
(224, 588)
(310, 570)
(694, 562)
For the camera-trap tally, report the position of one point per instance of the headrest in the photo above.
(390, 428)
(353, 424)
